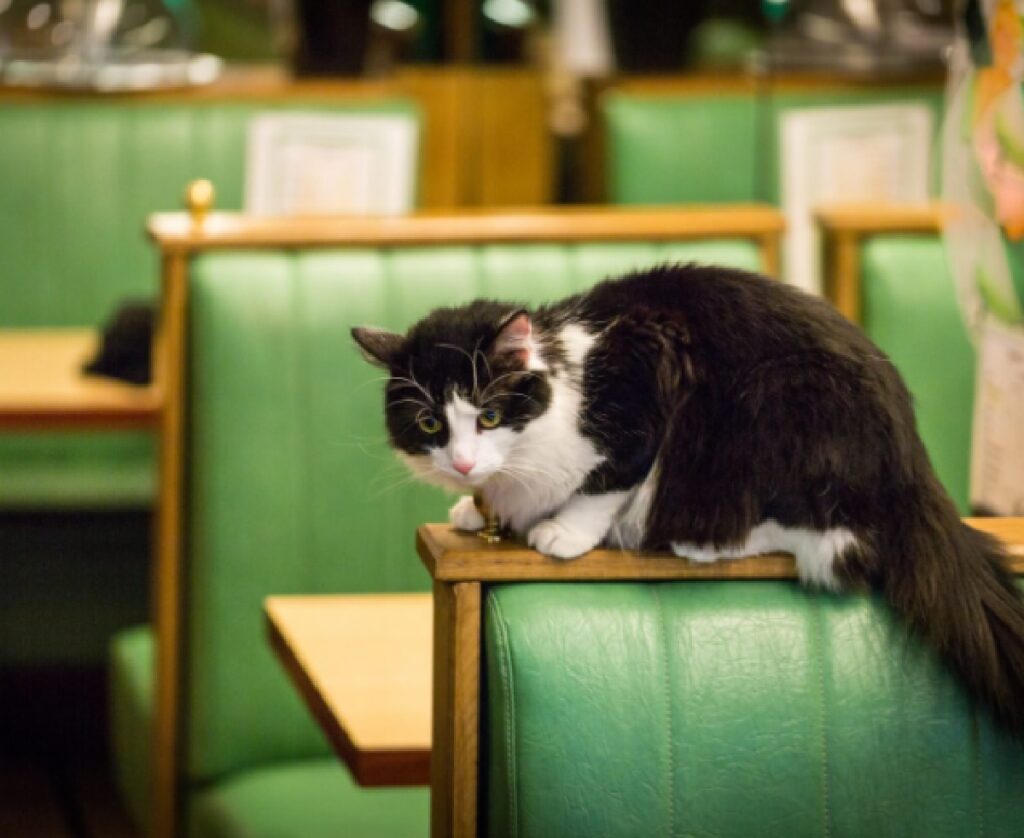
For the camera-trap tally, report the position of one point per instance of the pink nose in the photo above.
(462, 466)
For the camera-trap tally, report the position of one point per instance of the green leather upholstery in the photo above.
(80, 176)
(292, 487)
(132, 687)
(729, 709)
(659, 145)
(313, 798)
(910, 310)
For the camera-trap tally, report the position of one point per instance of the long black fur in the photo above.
(757, 402)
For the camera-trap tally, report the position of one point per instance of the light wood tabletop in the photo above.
(363, 664)
(42, 385)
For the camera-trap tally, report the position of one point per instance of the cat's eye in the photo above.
(429, 424)
(490, 418)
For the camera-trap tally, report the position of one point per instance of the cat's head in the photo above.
(463, 384)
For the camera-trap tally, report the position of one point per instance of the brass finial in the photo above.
(199, 198)
(491, 533)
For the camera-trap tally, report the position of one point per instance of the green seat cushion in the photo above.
(132, 689)
(77, 470)
(729, 709)
(293, 488)
(910, 310)
(313, 798)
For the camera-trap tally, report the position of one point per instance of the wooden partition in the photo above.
(485, 139)
(181, 236)
(844, 229)
(463, 565)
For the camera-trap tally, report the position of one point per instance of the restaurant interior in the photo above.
(226, 606)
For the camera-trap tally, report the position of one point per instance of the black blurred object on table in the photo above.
(126, 348)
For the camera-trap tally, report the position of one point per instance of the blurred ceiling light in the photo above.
(38, 16)
(394, 15)
(515, 14)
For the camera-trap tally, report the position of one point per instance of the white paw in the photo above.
(465, 516)
(553, 538)
(696, 553)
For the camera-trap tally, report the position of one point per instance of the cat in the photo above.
(713, 413)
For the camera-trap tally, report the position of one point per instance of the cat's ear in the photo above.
(378, 346)
(515, 337)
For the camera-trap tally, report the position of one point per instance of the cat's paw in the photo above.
(465, 516)
(553, 538)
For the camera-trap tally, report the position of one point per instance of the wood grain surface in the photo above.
(451, 556)
(362, 662)
(42, 385)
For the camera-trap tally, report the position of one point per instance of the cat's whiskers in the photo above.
(409, 401)
(493, 383)
(412, 382)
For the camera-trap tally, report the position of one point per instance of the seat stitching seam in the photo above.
(820, 635)
(663, 632)
(505, 662)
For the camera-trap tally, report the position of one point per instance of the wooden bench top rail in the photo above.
(452, 556)
(868, 219)
(42, 385)
(177, 232)
(844, 227)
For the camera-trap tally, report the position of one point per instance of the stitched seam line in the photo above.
(819, 632)
(505, 665)
(979, 786)
(663, 633)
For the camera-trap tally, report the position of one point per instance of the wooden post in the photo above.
(167, 581)
(455, 755)
(770, 259)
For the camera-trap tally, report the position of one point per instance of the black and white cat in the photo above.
(709, 412)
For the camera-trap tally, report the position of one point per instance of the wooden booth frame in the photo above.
(180, 237)
(844, 229)
(463, 565)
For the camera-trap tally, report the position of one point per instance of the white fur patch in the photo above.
(576, 341)
(486, 450)
(815, 550)
(578, 526)
(546, 463)
(465, 516)
(630, 524)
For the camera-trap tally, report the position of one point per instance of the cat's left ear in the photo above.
(377, 345)
(515, 337)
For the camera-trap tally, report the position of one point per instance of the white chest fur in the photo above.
(550, 458)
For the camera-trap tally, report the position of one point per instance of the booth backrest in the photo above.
(729, 708)
(716, 145)
(909, 308)
(291, 486)
(78, 178)
(81, 175)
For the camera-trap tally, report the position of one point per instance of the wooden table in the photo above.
(42, 386)
(363, 664)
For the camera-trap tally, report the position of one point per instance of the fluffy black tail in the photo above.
(951, 584)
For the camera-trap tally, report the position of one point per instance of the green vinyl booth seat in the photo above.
(715, 147)
(729, 709)
(910, 309)
(292, 489)
(80, 176)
